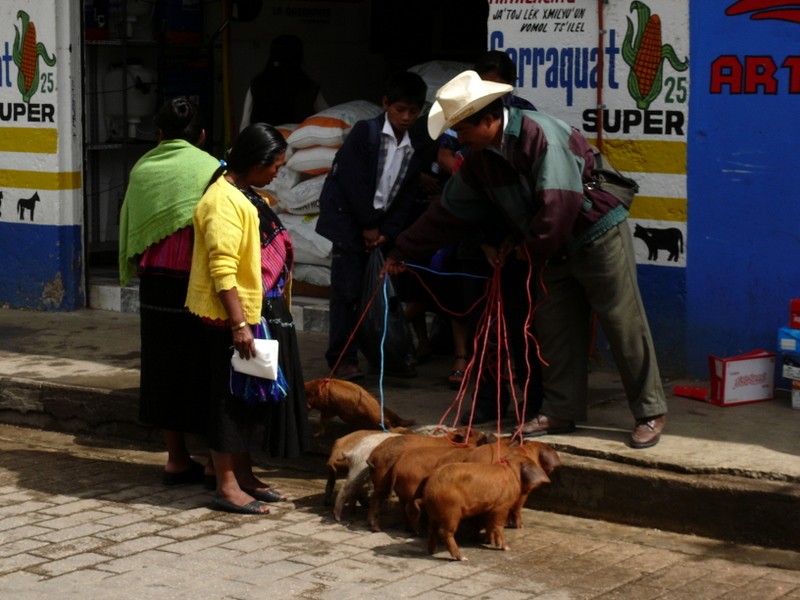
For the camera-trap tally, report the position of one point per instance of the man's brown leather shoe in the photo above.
(542, 425)
(647, 432)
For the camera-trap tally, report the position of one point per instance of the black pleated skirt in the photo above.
(174, 365)
(278, 428)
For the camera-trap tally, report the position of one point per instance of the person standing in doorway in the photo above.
(282, 93)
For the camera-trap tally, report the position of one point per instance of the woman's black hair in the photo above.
(498, 62)
(180, 119)
(256, 144)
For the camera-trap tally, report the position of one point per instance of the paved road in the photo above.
(87, 517)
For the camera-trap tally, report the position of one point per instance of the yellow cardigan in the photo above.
(226, 254)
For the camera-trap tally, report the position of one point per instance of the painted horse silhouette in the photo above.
(28, 204)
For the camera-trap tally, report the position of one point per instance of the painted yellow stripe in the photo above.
(659, 209)
(38, 180)
(29, 139)
(646, 156)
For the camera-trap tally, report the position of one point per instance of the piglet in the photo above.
(539, 453)
(383, 458)
(459, 490)
(358, 473)
(352, 404)
(338, 463)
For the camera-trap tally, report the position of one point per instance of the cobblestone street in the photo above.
(88, 518)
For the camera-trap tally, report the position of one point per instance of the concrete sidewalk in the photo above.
(731, 473)
(86, 517)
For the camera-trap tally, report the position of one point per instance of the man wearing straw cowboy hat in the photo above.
(532, 170)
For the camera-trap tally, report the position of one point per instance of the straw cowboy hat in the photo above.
(462, 96)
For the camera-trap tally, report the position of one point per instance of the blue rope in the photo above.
(386, 323)
(445, 273)
(383, 342)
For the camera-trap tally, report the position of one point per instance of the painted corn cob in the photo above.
(26, 56)
(645, 55)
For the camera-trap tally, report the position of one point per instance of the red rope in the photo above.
(491, 324)
(439, 304)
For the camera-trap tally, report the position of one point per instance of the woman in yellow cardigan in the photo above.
(241, 262)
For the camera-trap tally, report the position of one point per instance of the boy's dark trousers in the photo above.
(347, 274)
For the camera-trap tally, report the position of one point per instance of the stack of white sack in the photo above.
(312, 147)
(438, 72)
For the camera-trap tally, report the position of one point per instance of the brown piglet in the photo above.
(410, 471)
(458, 490)
(384, 456)
(351, 403)
(539, 453)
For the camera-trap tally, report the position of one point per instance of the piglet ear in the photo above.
(532, 476)
(549, 459)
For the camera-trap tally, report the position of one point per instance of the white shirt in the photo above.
(395, 153)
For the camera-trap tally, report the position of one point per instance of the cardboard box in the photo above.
(788, 339)
(742, 379)
(791, 365)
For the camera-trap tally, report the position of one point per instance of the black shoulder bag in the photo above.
(608, 179)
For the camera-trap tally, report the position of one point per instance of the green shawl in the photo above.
(164, 187)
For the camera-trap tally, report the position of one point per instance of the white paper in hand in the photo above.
(264, 364)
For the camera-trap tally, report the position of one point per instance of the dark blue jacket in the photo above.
(345, 204)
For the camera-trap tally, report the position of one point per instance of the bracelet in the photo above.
(241, 325)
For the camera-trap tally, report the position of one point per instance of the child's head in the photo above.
(403, 100)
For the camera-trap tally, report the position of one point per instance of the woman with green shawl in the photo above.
(155, 243)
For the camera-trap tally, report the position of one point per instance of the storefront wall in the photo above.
(695, 104)
(745, 205)
(41, 202)
(627, 91)
(708, 139)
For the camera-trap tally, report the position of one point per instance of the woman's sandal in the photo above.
(251, 508)
(457, 375)
(268, 495)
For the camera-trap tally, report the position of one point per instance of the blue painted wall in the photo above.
(744, 198)
(664, 295)
(41, 266)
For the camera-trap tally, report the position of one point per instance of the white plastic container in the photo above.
(138, 83)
